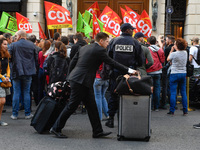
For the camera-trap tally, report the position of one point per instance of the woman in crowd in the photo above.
(4, 74)
(100, 88)
(178, 74)
(57, 63)
(41, 78)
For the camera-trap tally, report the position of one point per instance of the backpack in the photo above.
(105, 72)
(58, 69)
(198, 55)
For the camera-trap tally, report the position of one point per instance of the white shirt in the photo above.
(193, 52)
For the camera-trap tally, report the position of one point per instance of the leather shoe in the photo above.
(58, 134)
(101, 134)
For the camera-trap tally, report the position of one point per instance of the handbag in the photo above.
(134, 85)
(5, 85)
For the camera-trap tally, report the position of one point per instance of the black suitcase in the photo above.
(46, 114)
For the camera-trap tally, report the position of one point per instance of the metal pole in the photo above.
(168, 20)
(49, 34)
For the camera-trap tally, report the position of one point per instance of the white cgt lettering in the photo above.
(60, 16)
(26, 26)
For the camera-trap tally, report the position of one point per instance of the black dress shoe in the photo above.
(101, 134)
(3, 111)
(58, 134)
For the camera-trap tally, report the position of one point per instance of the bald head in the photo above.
(20, 34)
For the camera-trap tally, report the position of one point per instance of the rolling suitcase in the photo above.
(134, 117)
(46, 114)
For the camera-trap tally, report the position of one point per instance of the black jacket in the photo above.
(76, 47)
(126, 50)
(57, 68)
(86, 62)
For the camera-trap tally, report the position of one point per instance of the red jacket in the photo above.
(156, 54)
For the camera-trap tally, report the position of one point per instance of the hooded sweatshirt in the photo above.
(158, 58)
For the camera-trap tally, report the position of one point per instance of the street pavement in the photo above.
(168, 133)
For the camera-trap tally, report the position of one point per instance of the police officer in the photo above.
(127, 51)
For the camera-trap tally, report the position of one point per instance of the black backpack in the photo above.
(198, 56)
(58, 70)
(105, 72)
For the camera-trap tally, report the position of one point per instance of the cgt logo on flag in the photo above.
(57, 16)
(144, 24)
(23, 24)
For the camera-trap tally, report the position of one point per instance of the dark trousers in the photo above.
(80, 93)
(113, 103)
(165, 88)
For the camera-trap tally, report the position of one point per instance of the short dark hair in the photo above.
(78, 36)
(152, 40)
(181, 44)
(70, 37)
(101, 35)
(65, 40)
(32, 38)
(56, 36)
(171, 37)
(7, 35)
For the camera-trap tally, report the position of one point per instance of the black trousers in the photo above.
(80, 93)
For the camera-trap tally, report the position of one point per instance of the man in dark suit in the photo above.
(82, 70)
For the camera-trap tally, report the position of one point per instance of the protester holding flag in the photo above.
(4, 75)
(127, 51)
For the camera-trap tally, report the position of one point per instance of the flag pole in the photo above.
(49, 34)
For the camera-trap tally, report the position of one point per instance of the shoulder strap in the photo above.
(197, 53)
(156, 53)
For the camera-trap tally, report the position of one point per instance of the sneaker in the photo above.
(156, 110)
(29, 116)
(196, 126)
(185, 113)
(3, 123)
(13, 117)
(170, 113)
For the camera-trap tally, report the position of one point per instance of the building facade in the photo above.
(185, 20)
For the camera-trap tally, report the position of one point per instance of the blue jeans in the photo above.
(100, 88)
(175, 79)
(23, 84)
(41, 84)
(156, 90)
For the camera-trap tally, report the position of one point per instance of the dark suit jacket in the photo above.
(87, 60)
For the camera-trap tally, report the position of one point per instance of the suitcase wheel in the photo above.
(147, 139)
(120, 138)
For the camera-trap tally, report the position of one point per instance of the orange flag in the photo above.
(144, 24)
(111, 21)
(96, 27)
(94, 8)
(41, 32)
(133, 14)
(57, 16)
(23, 24)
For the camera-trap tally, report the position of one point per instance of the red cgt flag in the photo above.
(132, 14)
(94, 8)
(127, 18)
(23, 24)
(41, 32)
(144, 24)
(96, 27)
(57, 16)
(111, 21)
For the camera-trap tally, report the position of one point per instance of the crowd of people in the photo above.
(31, 65)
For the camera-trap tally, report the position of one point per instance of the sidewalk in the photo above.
(168, 133)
